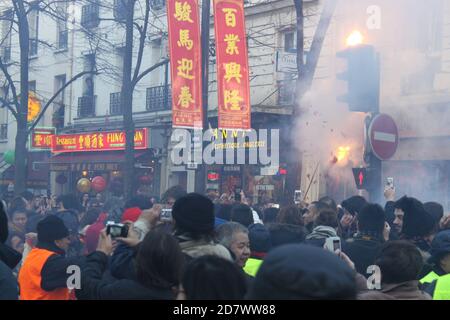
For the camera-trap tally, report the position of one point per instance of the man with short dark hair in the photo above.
(400, 263)
(364, 246)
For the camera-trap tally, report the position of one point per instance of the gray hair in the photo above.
(225, 232)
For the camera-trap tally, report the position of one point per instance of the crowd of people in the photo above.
(222, 247)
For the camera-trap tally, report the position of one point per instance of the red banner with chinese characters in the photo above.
(97, 141)
(41, 139)
(232, 65)
(185, 63)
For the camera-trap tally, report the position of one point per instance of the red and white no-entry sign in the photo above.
(383, 136)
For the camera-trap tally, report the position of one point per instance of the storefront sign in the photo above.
(232, 65)
(97, 141)
(185, 63)
(41, 139)
(84, 166)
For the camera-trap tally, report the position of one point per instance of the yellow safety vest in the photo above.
(429, 278)
(252, 266)
(442, 289)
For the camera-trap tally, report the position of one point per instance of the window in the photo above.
(290, 41)
(90, 17)
(59, 103)
(61, 26)
(286, 92)
(115, 105)
(6, 35)
(120, 10)
(4, 131)
(86, 106)
(157, 4)
(155, 98)
(32, 86)
(33, 21)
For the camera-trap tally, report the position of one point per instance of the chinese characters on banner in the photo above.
(98, 141)
(41, 139)
(185, 63)
(232, 65)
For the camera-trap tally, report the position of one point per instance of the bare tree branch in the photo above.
(57, 93)
(11, 85)
(147, 71)
(141, 43)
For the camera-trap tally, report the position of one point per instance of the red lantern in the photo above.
(98, 184)
(145, 179)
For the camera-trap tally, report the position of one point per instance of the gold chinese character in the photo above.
(233, 70)
(232, 98)
(80, 142)
(231, 40)
(37, 140)
(185, 41)
(94, 141)
(87, 141)
(185, 97)
(100, 141)
(185, 66)
(230, 17)
(48, 141)
(183, 11)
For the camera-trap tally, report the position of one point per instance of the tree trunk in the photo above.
(20, 168)
(127, 103)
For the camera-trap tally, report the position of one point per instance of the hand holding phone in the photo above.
(332, 244)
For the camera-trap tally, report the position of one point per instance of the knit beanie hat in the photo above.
(194, 213)
(51, 228)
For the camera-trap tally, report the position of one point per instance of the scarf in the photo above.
(321, 232)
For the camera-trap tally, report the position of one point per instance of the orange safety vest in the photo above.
(30, 278)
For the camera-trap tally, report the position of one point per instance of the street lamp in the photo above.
(355, 38)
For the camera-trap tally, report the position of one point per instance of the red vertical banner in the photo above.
(232, 65)
(185, 63)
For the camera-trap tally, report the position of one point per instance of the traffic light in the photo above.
(363, 78)
(361, 179)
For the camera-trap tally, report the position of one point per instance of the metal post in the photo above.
(166, 85)
(200, 182)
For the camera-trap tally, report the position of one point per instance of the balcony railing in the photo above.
(90, 17)
(157, 4)
(155, 98)
(115, 105)
(86, 106)
(63, 39)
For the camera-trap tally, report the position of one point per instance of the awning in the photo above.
(100, 161)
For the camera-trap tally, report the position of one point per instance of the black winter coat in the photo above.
(94, 288)
(362, 252)
(9, 290)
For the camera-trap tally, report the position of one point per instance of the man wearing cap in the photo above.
(437, 282)
(44, 273)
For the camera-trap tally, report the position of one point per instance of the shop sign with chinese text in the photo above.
(97, 141)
